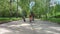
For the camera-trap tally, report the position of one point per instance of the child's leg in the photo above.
(31, 19)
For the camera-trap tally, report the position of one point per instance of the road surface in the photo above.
(36, 27)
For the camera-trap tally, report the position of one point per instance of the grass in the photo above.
(3, 20)
(51, 18)
(56, 20)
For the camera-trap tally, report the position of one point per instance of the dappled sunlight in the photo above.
(14, 26)
(47, 28)
(3, 25)
(29, 16)
(38, 28)
(24, 24)
(49, 31)
(52, 32)
(56, 28)
(2, 31)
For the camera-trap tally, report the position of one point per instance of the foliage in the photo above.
(41, 8)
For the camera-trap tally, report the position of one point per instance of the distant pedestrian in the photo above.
(31, 16)
(23, 16)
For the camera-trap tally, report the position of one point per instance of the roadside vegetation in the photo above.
(11, 10)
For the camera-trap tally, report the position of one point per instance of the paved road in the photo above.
(37, 27)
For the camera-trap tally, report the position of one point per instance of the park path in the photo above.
(36, 27)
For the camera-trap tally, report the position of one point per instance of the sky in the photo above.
(56, 0)
(52, 2)
(32, 4)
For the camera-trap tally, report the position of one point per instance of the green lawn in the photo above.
(52, 18)
(55, 20)
(2, 20)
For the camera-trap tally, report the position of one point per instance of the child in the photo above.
(30, 17)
